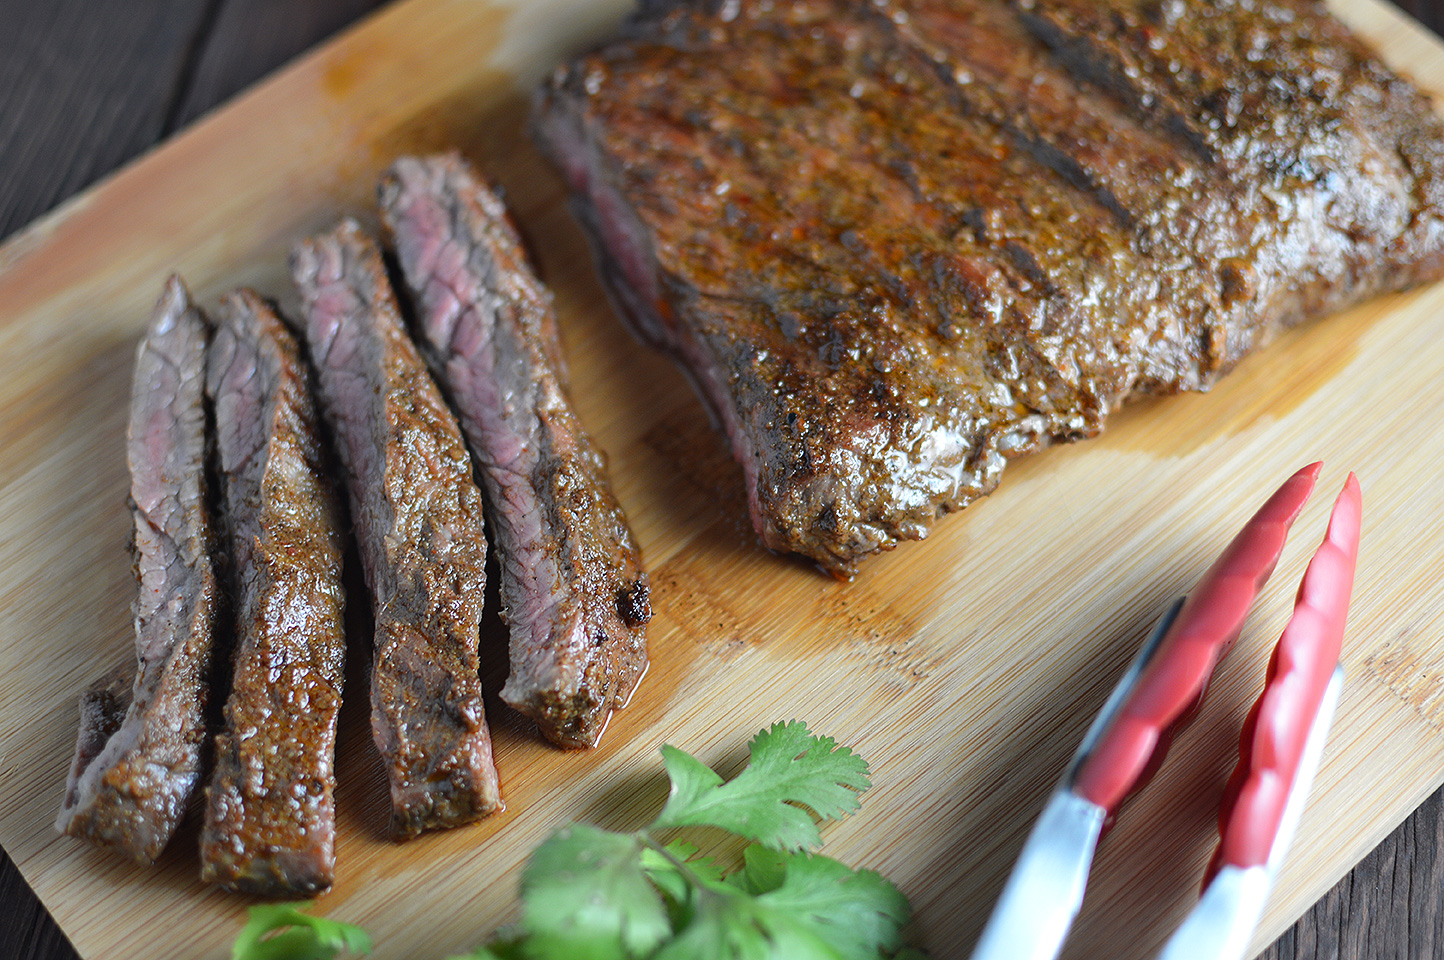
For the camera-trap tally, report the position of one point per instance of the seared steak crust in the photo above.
(899, 243)
(270, 823)
(417, 515)
(572, 585)
(142, 727)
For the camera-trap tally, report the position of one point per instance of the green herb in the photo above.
(592, 894)
(788, 766)
(279, 931)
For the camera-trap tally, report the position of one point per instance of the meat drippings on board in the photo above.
(901, 243)
(270, 825)
(418, 520)
(142, 727)
(572, 586)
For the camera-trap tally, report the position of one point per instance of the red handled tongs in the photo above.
(1279, 750)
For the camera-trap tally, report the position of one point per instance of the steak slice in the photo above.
(572, 586)
(142, 727)
(417, 515)
(898, 244)
(270, 824)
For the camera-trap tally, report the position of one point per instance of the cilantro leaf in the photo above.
(584, 896)
(279, 931)
(497, 949)
(793, 907)
(482, 952)
(676, 886)
(507, 943)
(858, 913)
(789, 768)
(730, 926)
(763, 870)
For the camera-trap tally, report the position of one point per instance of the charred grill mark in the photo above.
(1024, 130)
(634, 604)
(1087, 181)
(1093, 63)
(1026, 263)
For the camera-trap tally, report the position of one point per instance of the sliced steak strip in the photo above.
(418, 519)
(572, 586)
(270, 824)
(139, 752)
(897, 244)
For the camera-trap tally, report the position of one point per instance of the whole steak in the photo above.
(572, 586)
(901, 242)
(417, 515)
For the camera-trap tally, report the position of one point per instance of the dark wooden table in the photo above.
(85, 85)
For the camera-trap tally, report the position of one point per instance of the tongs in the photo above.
(1279, 749)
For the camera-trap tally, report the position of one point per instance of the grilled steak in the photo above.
(270, 814)
(142, 727)
(572, 586)
(897, 244)
(417, 514)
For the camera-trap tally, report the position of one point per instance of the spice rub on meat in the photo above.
(270, 825)
(572, 585)
(897, 244)
(418, 522)
(142, 726)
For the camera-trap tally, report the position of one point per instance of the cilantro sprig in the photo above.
(594, 894)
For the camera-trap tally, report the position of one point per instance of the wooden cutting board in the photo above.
(965, 668)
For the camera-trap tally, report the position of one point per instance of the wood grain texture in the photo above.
(719, 584)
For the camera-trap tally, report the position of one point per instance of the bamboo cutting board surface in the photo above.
(964, 668)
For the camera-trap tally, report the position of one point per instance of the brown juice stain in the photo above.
(1414, 678)
(720, 600)
(477, 110)
(485, 118)
(1265, 387)
(698, 455)
(351, 63)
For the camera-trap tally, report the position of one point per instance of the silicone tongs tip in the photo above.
(1171, 684)
(1279, 726)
